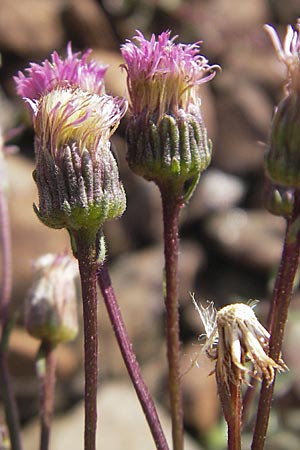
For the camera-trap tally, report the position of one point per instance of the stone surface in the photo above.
(138, 282)
(252, 237)
(28, 33)
(217, 191)
(30, 238)
(121, 424)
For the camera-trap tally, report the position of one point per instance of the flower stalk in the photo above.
(168, 144)
(46, 368)
(280, 302)
(171, 211)
(77, 177)
(6, 388)
(129, 358)
(51, 317)
(86, 253)
(282, 165)
(231, 401)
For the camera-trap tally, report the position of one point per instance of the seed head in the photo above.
(237, 340)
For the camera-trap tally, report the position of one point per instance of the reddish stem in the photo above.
(278, 317)
(5, 243)
(87, 261)
(234, 425)
(171, 210)
(46, 366)
(130, 359)
(6, 388)
(231, 401)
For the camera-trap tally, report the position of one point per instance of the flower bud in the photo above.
(279, 200)
(51, 304)
(282, 160)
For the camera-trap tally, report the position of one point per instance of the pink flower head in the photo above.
(64, 116)
(162, 75)
(289, 54)
(73, 72)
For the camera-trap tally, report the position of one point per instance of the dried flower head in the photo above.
(51, 305)
(237, 338)
(72, 72)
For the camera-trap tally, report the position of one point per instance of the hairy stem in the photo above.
(87, 261)
(231, 402)
(46, 366)
(281, 298)
(171, 210)
(234, 424)
(9, 402)
(6, 388)
(5, 243)
(130, 359)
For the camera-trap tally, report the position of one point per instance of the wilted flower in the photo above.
(283, 155)
(51, 305)
(167, 140)
(235, 339)
(76, 173)
(73, 72)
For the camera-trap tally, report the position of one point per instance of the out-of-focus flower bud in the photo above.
(282, 159)
(51, 304)
(279, 200)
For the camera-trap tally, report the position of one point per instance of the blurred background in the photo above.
(230, 245)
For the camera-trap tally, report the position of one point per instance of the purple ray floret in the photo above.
(74, 71)
(162, 74)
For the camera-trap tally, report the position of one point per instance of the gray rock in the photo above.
(121, 424)
(255, 237)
